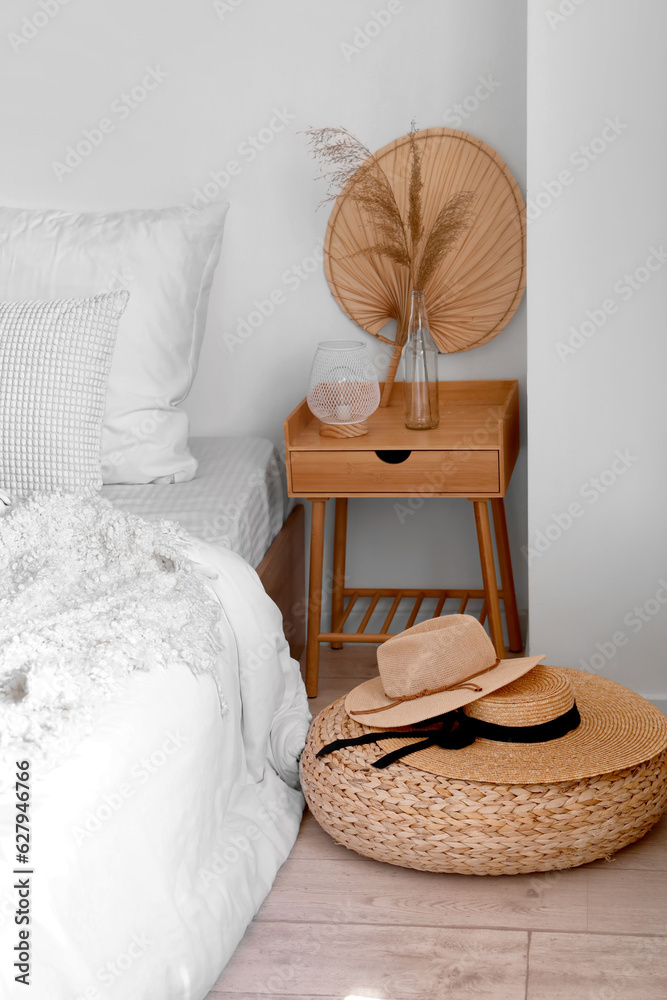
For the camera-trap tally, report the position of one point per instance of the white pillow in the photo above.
(166, 258)
(55, 359)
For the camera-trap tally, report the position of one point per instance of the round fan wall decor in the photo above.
(477, 288)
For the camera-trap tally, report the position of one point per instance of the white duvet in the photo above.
(155, 841)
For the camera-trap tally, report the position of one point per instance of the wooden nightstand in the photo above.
(471, 454)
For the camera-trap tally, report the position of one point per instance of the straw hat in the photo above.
(430, 669)
(616, 729)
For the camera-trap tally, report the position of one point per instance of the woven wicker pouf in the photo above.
(410, 817)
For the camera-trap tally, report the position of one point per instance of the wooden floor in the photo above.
(336, 925)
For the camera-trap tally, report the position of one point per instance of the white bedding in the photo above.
(155, 842)
(238, 497)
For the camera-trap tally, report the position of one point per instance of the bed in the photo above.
(239, 500)
(149, 700)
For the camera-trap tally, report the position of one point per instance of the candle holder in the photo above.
(343, 389)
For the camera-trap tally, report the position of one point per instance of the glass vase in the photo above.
(420, 369)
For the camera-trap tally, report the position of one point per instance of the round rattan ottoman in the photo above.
(410, 817)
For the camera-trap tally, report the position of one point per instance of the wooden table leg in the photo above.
(506, 575)
(489, 575)
(315, 596)
(338, 583)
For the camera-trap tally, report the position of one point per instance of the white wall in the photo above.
(228, 66)
(592, 261)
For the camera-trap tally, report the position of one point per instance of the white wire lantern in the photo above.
(343, 389)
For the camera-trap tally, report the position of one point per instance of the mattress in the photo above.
(238, 498)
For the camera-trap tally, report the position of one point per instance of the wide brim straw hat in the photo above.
(430, 669)
(617, 729)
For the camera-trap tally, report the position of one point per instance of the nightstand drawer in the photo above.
(420, 474)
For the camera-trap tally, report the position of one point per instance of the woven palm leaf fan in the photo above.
(476, 289)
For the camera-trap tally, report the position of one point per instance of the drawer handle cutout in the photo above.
(393, 457)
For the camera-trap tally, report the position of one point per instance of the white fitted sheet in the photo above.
(237, 499)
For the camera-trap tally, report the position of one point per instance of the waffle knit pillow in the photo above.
(55, 359)
(166, 258)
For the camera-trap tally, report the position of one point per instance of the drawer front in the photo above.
(423, 473)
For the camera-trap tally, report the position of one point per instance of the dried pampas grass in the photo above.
(398, 217)
(352, 168)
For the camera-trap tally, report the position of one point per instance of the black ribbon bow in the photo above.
(458, 730)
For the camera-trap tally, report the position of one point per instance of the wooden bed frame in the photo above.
(283, 574)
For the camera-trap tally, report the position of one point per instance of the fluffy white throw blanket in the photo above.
(89, 594)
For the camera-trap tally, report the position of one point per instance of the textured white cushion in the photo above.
(166, 258)
(55, 359)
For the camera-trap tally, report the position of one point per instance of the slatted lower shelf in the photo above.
(352, 595)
